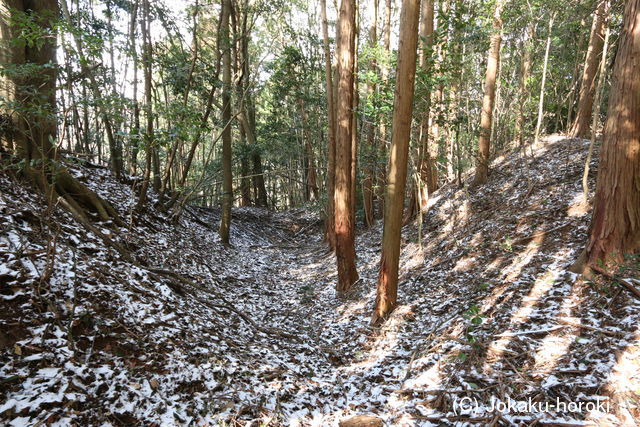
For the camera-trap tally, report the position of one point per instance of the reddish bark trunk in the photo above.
(581, 125)
(615, 226)
(344, 227)
(330, 228)
(387, 291)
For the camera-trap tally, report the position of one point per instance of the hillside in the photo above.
(161, 324)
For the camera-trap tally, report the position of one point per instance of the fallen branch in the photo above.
(570, 322)
(629, 286)
(626, 283)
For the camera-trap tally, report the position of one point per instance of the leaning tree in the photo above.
(28, 101)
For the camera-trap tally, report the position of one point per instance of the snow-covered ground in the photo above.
(489, 316)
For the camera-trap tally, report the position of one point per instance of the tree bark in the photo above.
(227, 179)
(595, 120)
(544, 80)
(370, 129)
(135, 125)
(311, 181)
(456, 53)
(426, 178)
(384, 77)
(354, 121)
(484, 147)
(345, 233)
(386, 297)
(241, 59)
(428, 152)
(438, 128)
(580, 128)
(615, 225)
(523, 93)
(148, 137)
(330, 231)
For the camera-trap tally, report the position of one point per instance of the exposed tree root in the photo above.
(62, 185)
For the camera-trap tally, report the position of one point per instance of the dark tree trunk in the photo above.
(227, 183)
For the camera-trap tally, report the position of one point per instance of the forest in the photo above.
(311, 213)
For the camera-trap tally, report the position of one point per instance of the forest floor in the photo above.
(160, 324)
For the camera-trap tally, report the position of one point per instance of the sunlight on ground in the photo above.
(540, 287)
(510, 273)
(414, 256)
(387, 341)
(577, 207)
(557, 343)
(624, 383)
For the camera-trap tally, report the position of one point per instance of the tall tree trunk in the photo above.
(386, 297)
(544, 80)
(250, 111)
(354, 121)
(117, 159)
(438, 132)
(227, 183)
(384, 77)
(135, 126)
(148, 137)
(157, 180)
(580, 128)
(523, 93)
(331, 147)
(425, 178)
(456, 48)
(242, 79)
(311, 175)
(256, 158)
(258, 180)
(370, 129)
(428, 171)
(615, 225)
(595, 120)
(345, 233)
(575, 77)
(484, 147)
(245, 181)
